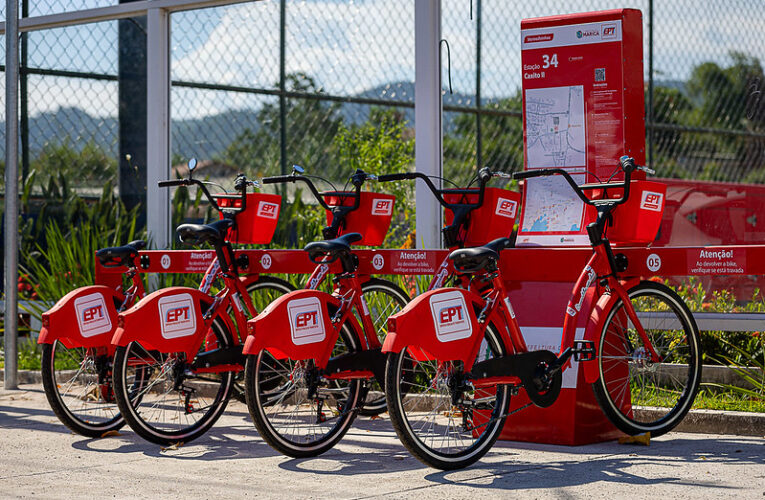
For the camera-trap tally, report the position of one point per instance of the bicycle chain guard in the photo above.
(533, 368)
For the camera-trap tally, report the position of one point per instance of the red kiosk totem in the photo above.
(583, 108)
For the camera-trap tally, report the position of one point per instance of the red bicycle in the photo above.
(178, 350)
(306, 383)
(457, 355)
(312, 355)
(77, 355)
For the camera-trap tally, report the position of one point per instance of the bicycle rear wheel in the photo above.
(637, 394)
(383, 299)
(78, 385)
(433, 428)
(296, 410)
(162, 399)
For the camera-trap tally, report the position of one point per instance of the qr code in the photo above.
(600, 74)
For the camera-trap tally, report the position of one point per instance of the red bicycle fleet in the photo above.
(445, 364)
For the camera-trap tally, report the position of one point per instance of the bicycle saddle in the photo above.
(213, 233)
(470, 260)
(318, 251)
(120, 256)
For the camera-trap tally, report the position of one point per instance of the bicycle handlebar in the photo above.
(461, 211)
(174, 182)
(240, 184)
(484, 175)
(627, 165)
(338, 212)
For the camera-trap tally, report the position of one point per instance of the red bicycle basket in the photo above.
(257, 223)
(494, 219)
(637, 221)
(371, 219)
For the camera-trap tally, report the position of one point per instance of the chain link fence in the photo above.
(261, 86)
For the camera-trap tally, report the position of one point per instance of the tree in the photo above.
(311, 125)
(502, 141)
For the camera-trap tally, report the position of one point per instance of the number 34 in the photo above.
(548, 60)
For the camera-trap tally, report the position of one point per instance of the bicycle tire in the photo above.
(260, 300)
(423, 416)
(152, 403)
(383, 299)
(637, 395)
(78, 386)
(285, 418)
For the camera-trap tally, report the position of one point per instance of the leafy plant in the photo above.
(380, 146)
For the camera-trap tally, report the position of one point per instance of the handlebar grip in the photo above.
(484, 175)
(395, 177)
(173, 182)
(278, 179)
(627, 163)
(530, 173)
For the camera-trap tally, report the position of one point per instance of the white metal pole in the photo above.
(11, 252)
(427, 117)
(158, 125)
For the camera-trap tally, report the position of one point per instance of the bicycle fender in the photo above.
(168, 320)
(439, 324)
(297, 326)
(592, 332)
(84, 317)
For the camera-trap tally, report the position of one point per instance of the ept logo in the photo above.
(177, 318)
(608, 31)
(92, 315)
(450, 316)
(177, 314)
(268, 210)
(506, 208)
(651, 201)
(382, 206)
(306, 320)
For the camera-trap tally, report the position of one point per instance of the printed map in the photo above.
(555, 127)
(551, 205)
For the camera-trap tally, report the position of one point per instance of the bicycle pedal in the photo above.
(584, 350)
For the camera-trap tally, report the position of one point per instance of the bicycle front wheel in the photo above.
(383, 300)
(421, 402)
(78, 385)
(639, 394)
(262, 292)
(162, 399)
(296, 410)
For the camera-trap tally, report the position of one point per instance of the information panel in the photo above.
(583, 108)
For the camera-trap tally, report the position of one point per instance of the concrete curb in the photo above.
(738, 423)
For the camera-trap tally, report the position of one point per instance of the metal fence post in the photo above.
(11, 191)
(649, 117)
(158, 125)
(427, 117)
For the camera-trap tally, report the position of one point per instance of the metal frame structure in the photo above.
(427, 123)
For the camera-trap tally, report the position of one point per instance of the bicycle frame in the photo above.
(186, 315)
(313, 330)
(428, 329)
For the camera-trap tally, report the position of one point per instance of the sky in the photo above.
(351, 46)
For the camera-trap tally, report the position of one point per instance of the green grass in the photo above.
(708, 398)
(728, 400)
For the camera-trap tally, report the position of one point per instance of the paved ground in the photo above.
(40, 458)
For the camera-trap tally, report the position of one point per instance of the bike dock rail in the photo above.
(538, 264)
